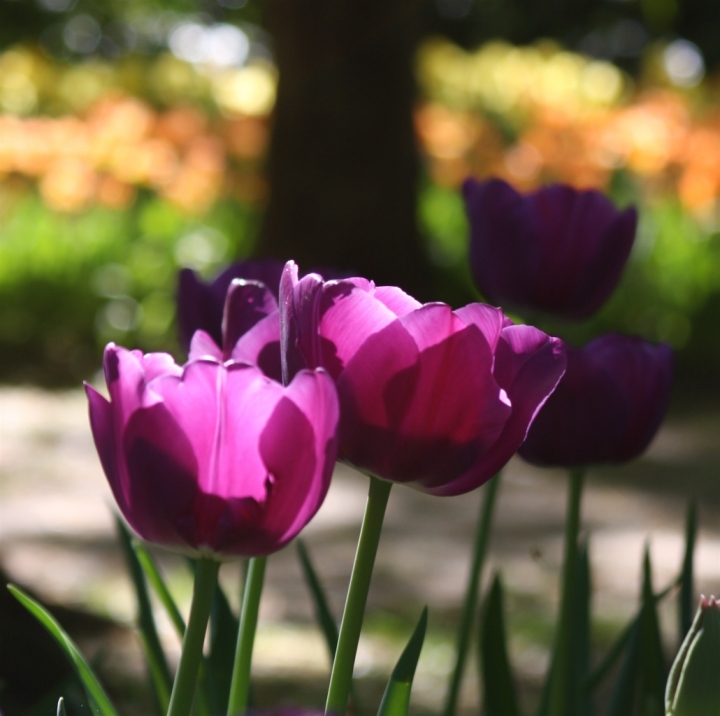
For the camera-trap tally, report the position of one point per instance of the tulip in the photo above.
(608, 406)
(436, 398)
(693, 688)
(200, 304)
(213, 459)
(557, 250)
(250, 330)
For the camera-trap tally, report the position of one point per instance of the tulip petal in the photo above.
(396, 300)
(260, 346)
(203, 346)
(103, 430)
(411, 418)
(528, 366)
(488, 319)
(198, 308)
(246, 304)
(350, 315)
(161, 484)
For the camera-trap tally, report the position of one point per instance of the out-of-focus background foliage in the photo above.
(134, 135)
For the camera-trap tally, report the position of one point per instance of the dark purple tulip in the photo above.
(557, 250)
(608, 406)
(213, 458)
(438, 398)
(200, 304)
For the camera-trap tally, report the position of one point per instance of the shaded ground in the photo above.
(57, 538)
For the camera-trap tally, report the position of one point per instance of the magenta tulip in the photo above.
(437, 398)
(200, 304)
(608, 406)
(213, 459)
(558, 250)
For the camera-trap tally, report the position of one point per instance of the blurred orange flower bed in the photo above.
(584, 123)
(122, 144)
(529, 115)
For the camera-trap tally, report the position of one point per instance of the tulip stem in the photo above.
(469, 609)
(240, 686)
(183, 692)
(561, 701)
(349, 636)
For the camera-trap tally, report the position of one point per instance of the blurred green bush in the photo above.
(69, 283)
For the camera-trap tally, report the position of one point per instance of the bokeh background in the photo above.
(141, 137)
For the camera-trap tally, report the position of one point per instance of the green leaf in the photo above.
(580, 643)
(396, 700)
(323, 614)
(154, 654)
(652, 694)
(641, 681)
(152, 573)
(686, 599)
(219, 664)
(61, 707)
(622, 702)
(498, 685)
(95, 692)
(616, 651)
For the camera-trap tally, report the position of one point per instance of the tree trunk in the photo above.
(343, 165)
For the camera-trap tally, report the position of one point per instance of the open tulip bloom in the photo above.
(212, 459)
(435, 398)
(558, 250)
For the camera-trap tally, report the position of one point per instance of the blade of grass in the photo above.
(152, 573)
(61, 707)
(396, 700)
(324, 616)
(95, 692)
(686, 599)
(498, 685)
(223, 636)
(154, 654)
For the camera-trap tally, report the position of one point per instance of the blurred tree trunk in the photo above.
(343, 165)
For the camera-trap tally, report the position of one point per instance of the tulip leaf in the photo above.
(95, 692)
(498, 685)
(686, 599)
(616, 651)
(396, 700)
(152, 573)
(580, 646)
(641, 681)
(323, 614)
(154, 654)
(61, 707)
(223, 637)
(654, 670)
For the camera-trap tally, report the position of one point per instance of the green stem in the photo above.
(240, 686)
(342, 670)
(183, 693)
(560, 700)
(471, 594)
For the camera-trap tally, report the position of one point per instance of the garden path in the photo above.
(57, 537)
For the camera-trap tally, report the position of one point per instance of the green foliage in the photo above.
(99, 700)
(154, 654)
(499, 694)
(396, 700)
(71, 283)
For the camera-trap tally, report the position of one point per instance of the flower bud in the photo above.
(693, 688)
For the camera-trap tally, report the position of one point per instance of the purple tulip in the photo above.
(429, 396)
(213, 458)
(200, 304)
(607, 407)
(557, 250)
